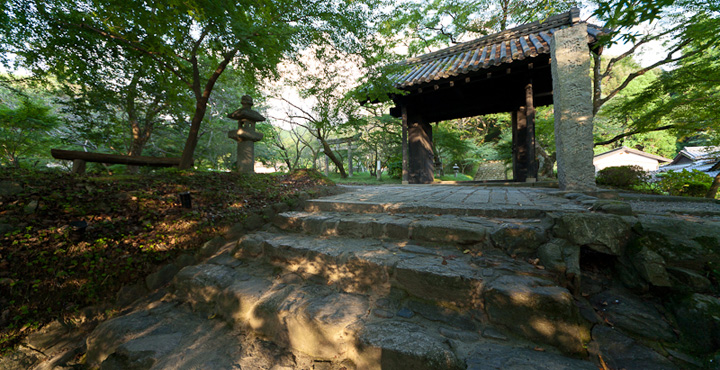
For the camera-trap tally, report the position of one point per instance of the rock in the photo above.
(694, 245)
(698, 316)
(612, 206)
(281, 207)
(253, 221)
(31, 207)
(249, 246)
(130, 293)
(383, 314)
(164, 337)
(688, 280)
(211, 247)
(448, 229)
(184, 260)
(530, 307)
(621, 352)
(633, 315)
(161, 277)
(519, 239)
(651, 267)
(603, 233)
(461, 335)
(492, 356)
(236, 231)
(630, 276)
(48, 336)
(689, 360)
(491, 333)
(434, 312)
(405, 345)
(405, 313)
(10, 188)
(560, 256)
(225, 259)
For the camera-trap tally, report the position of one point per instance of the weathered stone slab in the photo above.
(621, 352)
(436, 278)
(698, 316)
(603, 233)
(404, 345)
(492, 356)
(632, 315)
(519, 238)
(691, 246)
(535, 309)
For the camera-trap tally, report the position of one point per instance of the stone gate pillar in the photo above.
(572, 95)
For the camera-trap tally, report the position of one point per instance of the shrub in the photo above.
(686, 183)
(395, 169)
(624, 177)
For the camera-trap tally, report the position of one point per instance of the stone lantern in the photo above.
(245, 135)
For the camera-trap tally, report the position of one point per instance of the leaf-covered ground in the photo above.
(49, 269)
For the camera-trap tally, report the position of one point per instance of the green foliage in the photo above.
(624, 177)
(685, 183)
(187, 44)
(435, 22)
(395, 169)
(24, 130)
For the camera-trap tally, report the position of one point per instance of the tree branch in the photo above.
(638, 131)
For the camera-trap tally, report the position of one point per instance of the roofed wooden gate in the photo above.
(512, 71)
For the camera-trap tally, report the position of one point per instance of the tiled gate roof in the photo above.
(526, 41)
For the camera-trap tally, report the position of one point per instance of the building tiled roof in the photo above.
(624, 149)
(700, 152)
(526, 41)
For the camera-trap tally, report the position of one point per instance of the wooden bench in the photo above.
(79, 158)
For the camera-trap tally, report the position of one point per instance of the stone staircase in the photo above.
(363, 285)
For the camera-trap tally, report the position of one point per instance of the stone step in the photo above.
(483, 210)
(515, 236)
(391, 330)
(513, 294)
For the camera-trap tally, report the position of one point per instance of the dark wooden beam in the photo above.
(532, 166)
(114, 158)
(405, 169)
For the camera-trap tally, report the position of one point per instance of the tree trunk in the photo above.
(201, 99)
(712, 192)
(330, 154)
(548, 164)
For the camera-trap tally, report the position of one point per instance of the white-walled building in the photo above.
(625, 156)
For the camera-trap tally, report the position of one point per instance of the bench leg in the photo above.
(78, 166)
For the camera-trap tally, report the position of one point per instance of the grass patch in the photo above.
(460, 177)
(363, 178)
(49, 270)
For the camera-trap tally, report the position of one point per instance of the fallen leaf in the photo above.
(539, 349)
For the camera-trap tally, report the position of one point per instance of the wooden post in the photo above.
(405, 169)
(520, 152)
(78, 166)
(532, 166)
(420, 151)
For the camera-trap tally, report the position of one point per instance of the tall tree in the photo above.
(433, 23)
(684, 98)
(194, 41)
